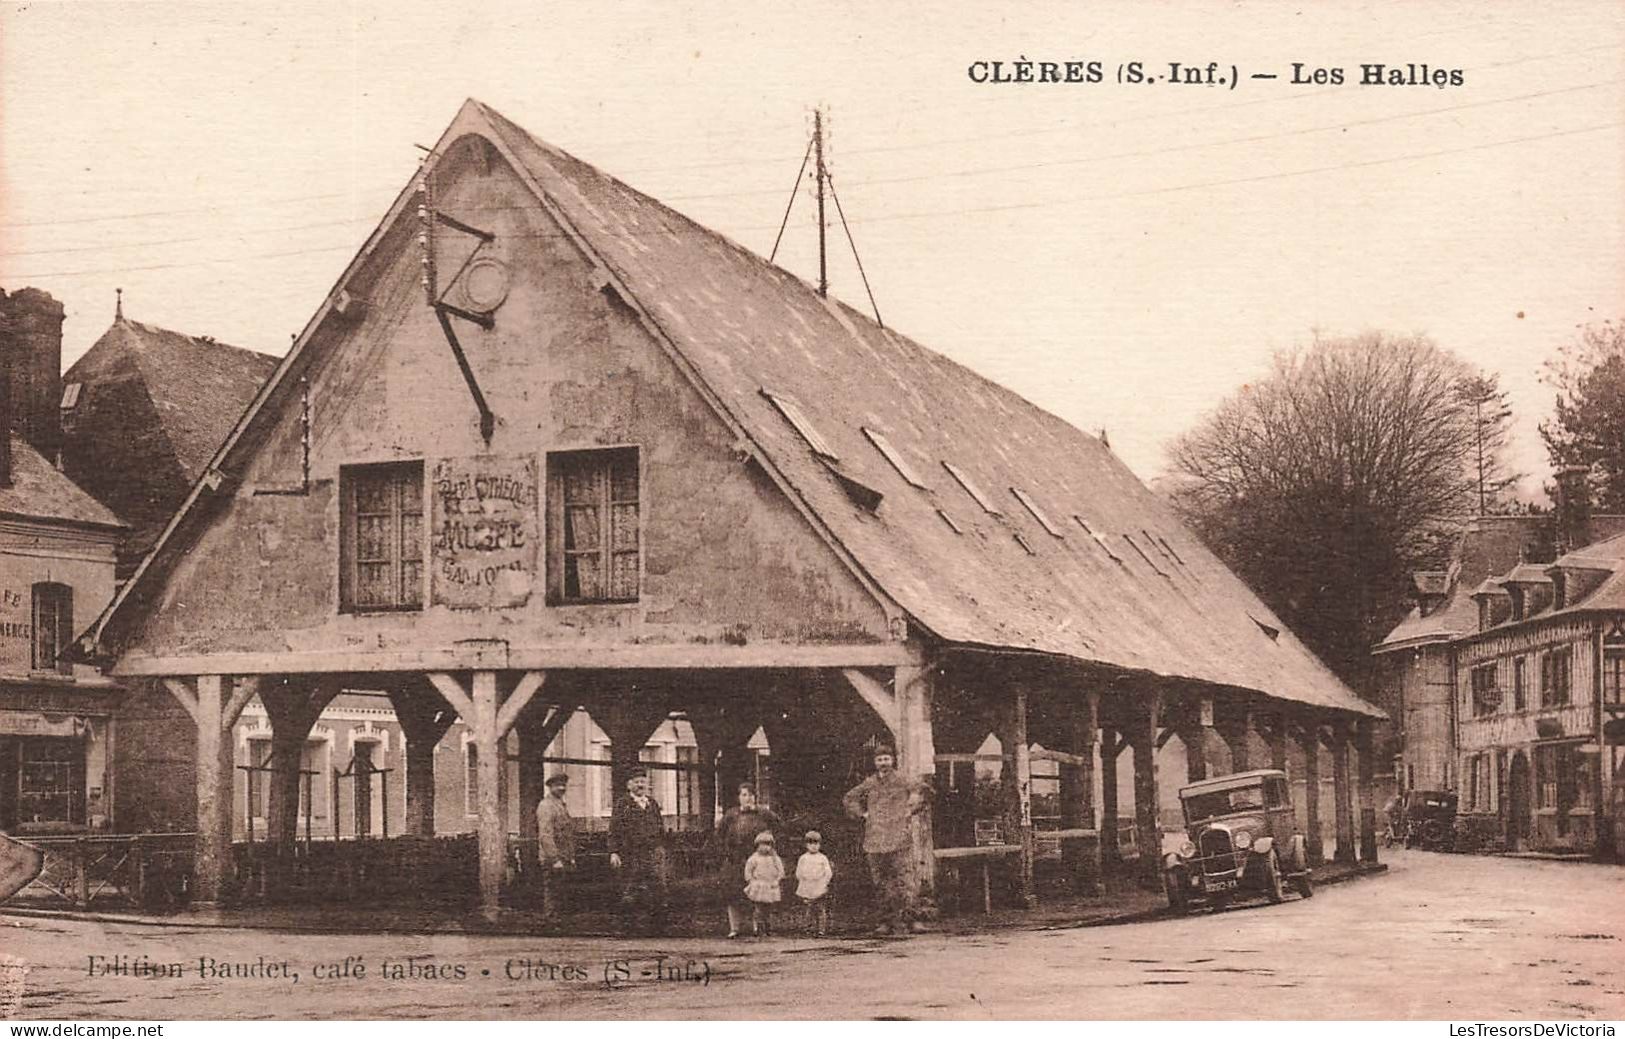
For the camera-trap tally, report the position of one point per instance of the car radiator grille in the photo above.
(1216, 852)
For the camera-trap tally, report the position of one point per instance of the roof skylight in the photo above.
(1098, 539)
(791, 410)
(971, 489)
(894, 456)
(1038, 514)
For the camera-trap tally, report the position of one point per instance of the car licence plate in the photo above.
(1219, 885)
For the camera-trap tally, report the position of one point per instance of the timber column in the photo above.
(214, 706)
(917, 759)
(1148, 835)
(1111, 850)
(1237, 733)
(1342, 793)
(1018, 800)
(1078, 794)
(1311, 792)
(1368, 793)
(425, 717)
(489, 719)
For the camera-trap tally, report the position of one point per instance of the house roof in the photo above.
(1527, 573)
(198, 387)
(1084, 563)
(39, 491)
(1490, 550)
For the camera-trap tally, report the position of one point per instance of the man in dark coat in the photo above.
(637, 852)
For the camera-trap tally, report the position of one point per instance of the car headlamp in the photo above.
(1243, 840)
(1187, 850)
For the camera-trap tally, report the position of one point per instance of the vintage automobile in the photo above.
(1242, 837)
(1430, 820)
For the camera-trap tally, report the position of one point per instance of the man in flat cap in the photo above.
(887, 803)
(555, 843)
(637, 838)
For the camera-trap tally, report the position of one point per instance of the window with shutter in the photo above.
(382, 545)
(594, 526)
(53, 627)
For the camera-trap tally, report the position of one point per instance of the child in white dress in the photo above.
(813, 873)
(764, 871)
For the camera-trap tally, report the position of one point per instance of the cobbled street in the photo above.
(1437, 937)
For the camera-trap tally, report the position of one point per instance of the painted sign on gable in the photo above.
(483, 532)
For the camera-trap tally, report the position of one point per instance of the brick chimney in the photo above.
(1573, 507)
(32, 330)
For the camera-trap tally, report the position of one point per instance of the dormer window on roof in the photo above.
(1148, 561)
(791, 410)
(1038, 514)
(971, 489)
(894, 456)
(1098, 539)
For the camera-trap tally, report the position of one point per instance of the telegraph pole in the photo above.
(818, 152)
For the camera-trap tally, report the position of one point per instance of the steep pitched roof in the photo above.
(39, 491)
(1489, 547)
(198, 387)
(1084, 562)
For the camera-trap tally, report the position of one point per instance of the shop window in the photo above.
(1478, 782)
(1563, 777)
(594, 541)
(382, 543)
(51, 781)
(1486, 696)
(53, 627)
(1555, 673)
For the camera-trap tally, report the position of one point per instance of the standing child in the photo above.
(813, 873)
(764, 870)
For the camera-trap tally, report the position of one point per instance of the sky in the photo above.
(1122, 254)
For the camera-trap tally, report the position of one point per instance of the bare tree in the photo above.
(1327, 483)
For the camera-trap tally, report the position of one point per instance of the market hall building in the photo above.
(548, 447)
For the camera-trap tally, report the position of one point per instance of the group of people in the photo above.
(750, 873)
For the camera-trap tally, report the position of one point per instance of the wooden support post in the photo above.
(292, 705)
(1277, 738)
(1194, 738)
(917, 760)
(425, 717)
(215, 707)
(1079, 801)
(1019, 750)
(1311, 793)
(1111, 851)
(1368, 791)
(1238, 736)
(489, 718)
(1148, 834)
(1342, 793)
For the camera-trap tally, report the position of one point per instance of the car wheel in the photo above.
(1173, 885)
(1305, 886)
(1272, 877)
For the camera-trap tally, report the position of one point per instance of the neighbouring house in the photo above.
(1415, 661)
(57, 547)
(1496, 680)
(1538, 695)
(550, 449)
